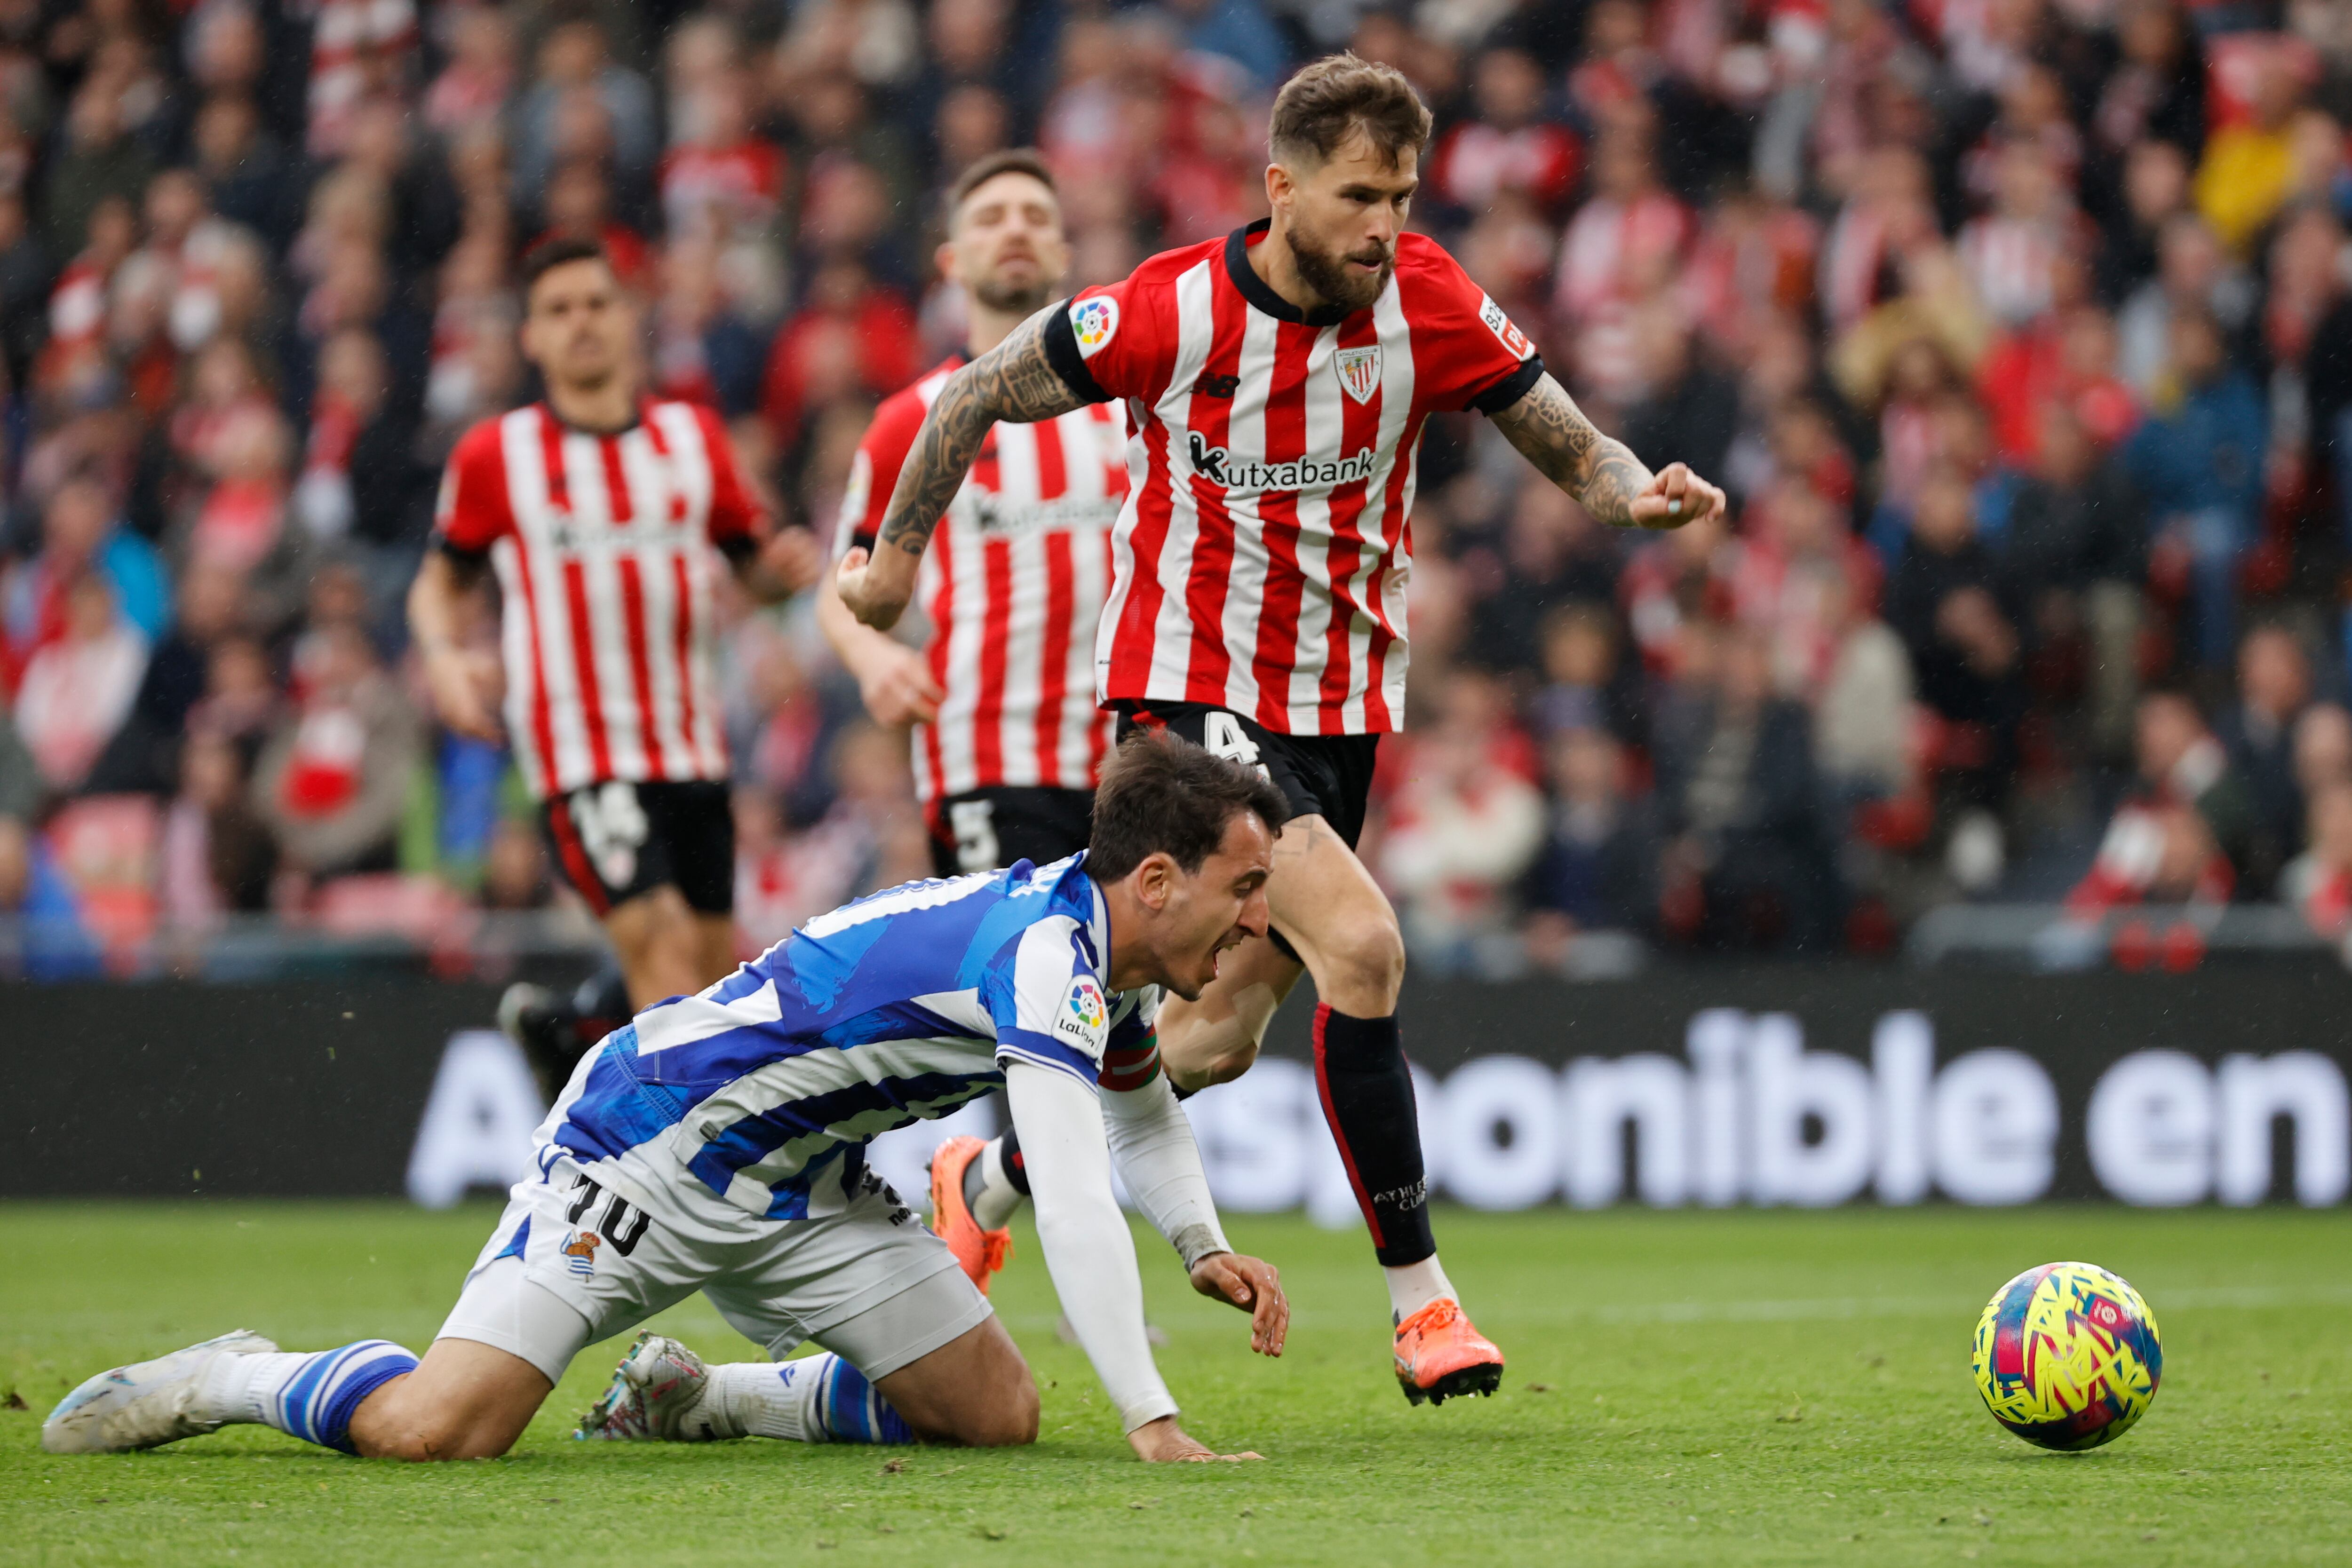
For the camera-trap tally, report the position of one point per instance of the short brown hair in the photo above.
(1316, 109)
(989, 165)
(1160, 794)
(563, 251)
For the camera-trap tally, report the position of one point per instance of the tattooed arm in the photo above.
(1014, 380)
(1602, 473)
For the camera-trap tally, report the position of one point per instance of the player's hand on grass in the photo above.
(1675, 496)
(896, 683)
(1255, 1287)
(871, 589)
(465, 684)
(1163, 1442)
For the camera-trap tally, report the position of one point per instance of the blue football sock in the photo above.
(817, 1399)
(852, 1412)
(311, 1396)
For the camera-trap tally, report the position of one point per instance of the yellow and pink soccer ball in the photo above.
(2067, 1356)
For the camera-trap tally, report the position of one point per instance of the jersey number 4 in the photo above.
(1222, 733)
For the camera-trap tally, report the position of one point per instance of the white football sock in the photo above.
(998, 1201)
(312, 1396)
(244, 1389)
(815, 1399)
(760, 1399)
(1416, 1285)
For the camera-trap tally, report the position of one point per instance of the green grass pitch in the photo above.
(1715, 1388)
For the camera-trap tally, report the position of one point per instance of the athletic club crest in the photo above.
(1359, 370)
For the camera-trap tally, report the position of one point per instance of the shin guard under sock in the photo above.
(1367, 1089)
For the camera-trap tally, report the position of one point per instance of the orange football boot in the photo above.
(981, 1252)
(1439, 1355)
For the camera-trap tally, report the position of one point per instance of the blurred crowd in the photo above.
(2019, 332)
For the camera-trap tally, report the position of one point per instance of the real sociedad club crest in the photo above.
(1359, 370)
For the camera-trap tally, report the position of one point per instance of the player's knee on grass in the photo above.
(427, 1434)
(1009, 1420)
(975, 1391)
(465, 1401)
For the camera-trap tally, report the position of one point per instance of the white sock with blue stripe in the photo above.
(314, 1396)
(817, 1399)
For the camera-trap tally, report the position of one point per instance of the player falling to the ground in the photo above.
(717, 1143)
(1277, 381)
(1007, 735)
(600, 509)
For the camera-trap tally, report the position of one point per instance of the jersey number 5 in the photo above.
(974, 822)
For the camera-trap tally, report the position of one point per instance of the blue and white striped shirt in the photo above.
(899, 1006)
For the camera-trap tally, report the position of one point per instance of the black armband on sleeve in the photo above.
(739, 549)
(1062, 353)
(1511, 388)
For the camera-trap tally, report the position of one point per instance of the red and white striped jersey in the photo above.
(1012, 586)
(1260, 561)
(603, 545)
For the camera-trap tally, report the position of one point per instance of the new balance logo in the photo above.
(1216, 386)
(1247, 476)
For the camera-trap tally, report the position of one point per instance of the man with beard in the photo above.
(1278, 380)
(1008, 742)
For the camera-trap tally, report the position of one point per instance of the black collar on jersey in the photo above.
(1260, 293)
(636, 418)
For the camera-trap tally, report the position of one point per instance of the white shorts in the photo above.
(572, 1263)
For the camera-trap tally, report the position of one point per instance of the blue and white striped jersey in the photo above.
(896, 1008)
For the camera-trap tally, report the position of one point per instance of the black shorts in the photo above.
(983, 829)
(616, 841)
(1329, 775)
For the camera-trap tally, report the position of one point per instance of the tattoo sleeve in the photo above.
(1014, 380)
(1552, 432)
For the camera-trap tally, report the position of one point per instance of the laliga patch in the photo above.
(1359, 370)
(1094, 322)
(1504, 330)
(1084, 1016)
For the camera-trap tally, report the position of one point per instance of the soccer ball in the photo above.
(2067, 1356)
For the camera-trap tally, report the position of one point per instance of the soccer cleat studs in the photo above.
(1440, 1355)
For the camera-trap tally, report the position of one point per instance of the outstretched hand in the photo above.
(1163, 1442)
(1255, 1287)
(1676, 496)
